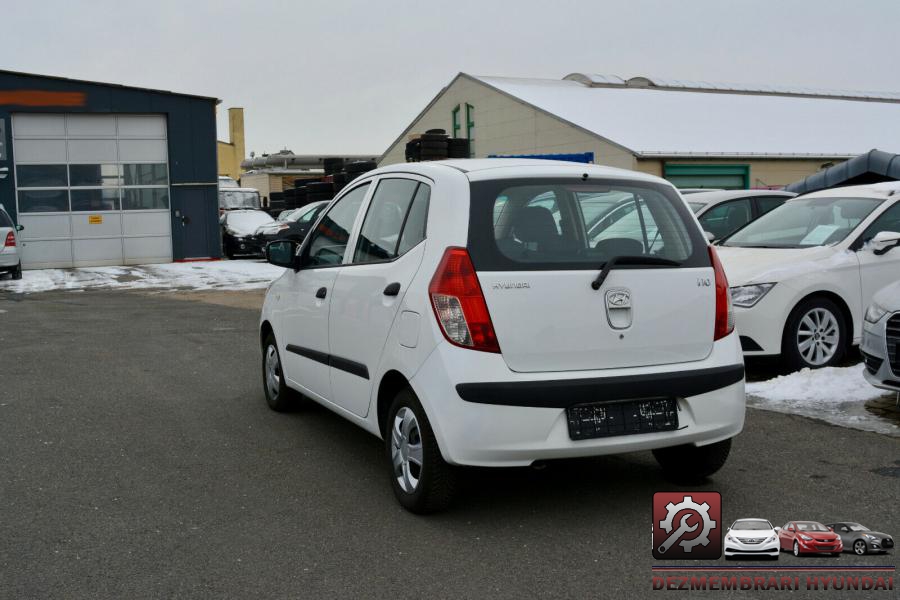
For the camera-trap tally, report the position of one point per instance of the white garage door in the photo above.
(92, 189)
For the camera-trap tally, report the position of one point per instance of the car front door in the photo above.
(876, 271)
(369, 289)
(305, 352)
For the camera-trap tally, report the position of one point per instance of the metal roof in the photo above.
(872, 167)
(113, 85)
(657, 122)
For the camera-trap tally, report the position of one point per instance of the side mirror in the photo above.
(283, 253)
(777, 529)
(20, 227)
(884, 241)
(831, 529)
(710, 236)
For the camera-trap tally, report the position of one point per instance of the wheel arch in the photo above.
(838, 300)
(264, 330)
(391, 383)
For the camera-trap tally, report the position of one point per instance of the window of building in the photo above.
(470, 128)
(456, 126)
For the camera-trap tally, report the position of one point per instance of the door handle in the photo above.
(321, 293)
(392, 289)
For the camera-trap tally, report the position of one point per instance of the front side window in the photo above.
(805, 223)
(328, 242)
(726, 218)
(889, 220)
(394, 222)
(565, 224)
(769, 203)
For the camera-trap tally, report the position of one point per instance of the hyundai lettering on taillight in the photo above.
(724, 309)
(10, 240)
(459, 303)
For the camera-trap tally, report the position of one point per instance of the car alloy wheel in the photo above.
(406, 450)
(796, 548)
(818, 336)
(859, 547)
(273, 372)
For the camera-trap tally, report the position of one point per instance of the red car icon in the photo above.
(809, 537)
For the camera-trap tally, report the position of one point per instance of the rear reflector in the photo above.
(10, 240)
(724, 309)
(459, 303)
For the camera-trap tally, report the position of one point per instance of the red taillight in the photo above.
(459, 304)
(724, 310)
(10, 240)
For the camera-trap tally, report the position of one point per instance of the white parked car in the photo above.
(461, 311)
(752, 537)
(10, 261)
(803, 274)
(723, 212)
(881, 339)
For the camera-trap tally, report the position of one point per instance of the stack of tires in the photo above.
(319, 190)
(434, 144)
(276, 202)
(357, 168)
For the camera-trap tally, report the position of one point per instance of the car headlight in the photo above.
(870, 537)
(748, 295)
(805, 537)
(769, 540)
(729, 538)
(875, 312)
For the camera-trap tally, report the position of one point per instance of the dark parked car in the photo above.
(238, 229)
(859, 540)
(294, 226)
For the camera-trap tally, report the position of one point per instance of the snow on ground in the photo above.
(833, 394)
(226, 275)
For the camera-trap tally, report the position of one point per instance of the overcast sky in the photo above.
(347, 76)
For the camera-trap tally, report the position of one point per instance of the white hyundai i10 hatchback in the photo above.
(500, 312)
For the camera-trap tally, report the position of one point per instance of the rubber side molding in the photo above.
(343, 364)
(568, 392)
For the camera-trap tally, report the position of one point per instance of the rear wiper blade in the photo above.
(630, 260)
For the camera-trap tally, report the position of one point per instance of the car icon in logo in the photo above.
(618, 298)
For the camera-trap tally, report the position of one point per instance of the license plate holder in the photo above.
(627, 417)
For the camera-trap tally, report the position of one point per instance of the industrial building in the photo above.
(104, 174)
(696, 134)
(231, 153)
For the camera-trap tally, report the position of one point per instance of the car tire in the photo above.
(796, 548)
(428, 486)
(17, 272)
(860, 547)
(279, 396)
(815, 321)
(692, 464)
(229, 254)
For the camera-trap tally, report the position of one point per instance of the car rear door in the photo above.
(369, 289)
(306, 351)
(537, 262)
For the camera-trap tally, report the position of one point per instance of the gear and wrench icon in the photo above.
(701, 509)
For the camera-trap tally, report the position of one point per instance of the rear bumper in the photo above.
(8, 257)
(519, 418)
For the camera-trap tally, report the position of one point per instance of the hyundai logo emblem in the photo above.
(618, 298)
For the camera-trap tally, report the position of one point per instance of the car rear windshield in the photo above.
(751, 525)
(804, 223)
(564, 224)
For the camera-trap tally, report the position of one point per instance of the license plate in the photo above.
(607, 419)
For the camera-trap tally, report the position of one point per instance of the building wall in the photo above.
(231, 153)
(191, 145)
(503, 125)
(763, 173)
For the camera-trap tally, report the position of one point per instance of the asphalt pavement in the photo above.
(138, 459)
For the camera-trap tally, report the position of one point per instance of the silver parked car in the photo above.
(723, 212)
(9, 250)
(880, 345)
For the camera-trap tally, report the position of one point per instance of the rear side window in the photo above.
(767, 203)
(726, 218)
(575, 224)
(5, 221)
(395, 221)
(328, 241)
